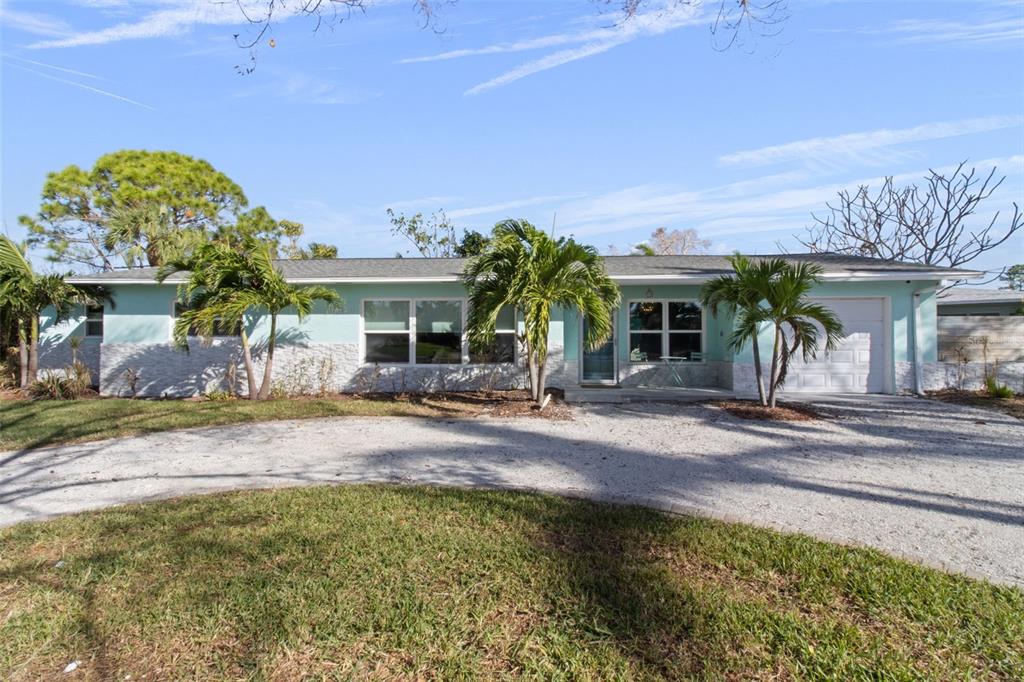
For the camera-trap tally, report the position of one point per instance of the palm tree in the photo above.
(773, 293)
(25, 294)
(742, 293)
(524, 268)
(226, 284)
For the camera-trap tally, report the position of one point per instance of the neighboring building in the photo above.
(402, 327)
(968, 301)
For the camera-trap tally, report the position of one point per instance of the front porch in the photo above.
(638, 394)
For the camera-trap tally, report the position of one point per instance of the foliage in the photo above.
(928, 224)
(1014, 277)
(181, 198)
(997, 390)
(435, 236)
(315, 250)
(24, 295)
(401, 582)
(226, 284)
(526, 269)
(71, 383)
(773, 293)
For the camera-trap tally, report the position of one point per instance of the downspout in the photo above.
(915, 346)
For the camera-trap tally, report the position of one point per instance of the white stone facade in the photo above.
(160, 370)
(966, 376)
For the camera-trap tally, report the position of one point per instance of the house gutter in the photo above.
(915, 346)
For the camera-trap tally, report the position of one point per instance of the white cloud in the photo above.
(867, 146)
(300, 87)
(508, 205)
(53, 67)
(33, 22)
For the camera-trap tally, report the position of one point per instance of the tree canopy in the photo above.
(137, 208)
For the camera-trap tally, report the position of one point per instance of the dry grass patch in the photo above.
(1013, 406)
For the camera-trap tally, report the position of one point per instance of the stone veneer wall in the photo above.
(57, 356)
(163, 371)
(968, 376)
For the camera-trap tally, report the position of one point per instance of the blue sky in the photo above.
(523, 109)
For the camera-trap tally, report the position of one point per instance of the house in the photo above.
(402, 327)
(977, 302)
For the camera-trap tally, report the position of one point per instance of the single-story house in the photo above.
(960, 301)
(402, 328)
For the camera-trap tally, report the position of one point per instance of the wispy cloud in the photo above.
(300, 87)
(83, 86)
(508, 205)
(861, 146)
(33, 23)
(588, 42)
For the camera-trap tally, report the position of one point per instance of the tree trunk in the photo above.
(33, 350)
(542, 378)
(250, 370)
(22, 354)
(532, 364)
(268, 368)
(773, 381)
(758, 371)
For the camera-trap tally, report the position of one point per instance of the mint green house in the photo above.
(402, 328)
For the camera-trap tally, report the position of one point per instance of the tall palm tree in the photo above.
(741, 294)
(773, 293)
(526, 269)
(25, 294)
(225, 285)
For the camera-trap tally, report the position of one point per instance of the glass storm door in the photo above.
(598, 366)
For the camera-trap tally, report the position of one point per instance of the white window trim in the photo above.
(664, 332)
(411, 333)
(101, 320)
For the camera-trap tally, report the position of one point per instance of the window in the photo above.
(219, 329)
(438, 332)
(94, 320)
(503, 348)
(386, 326)
(665, 329)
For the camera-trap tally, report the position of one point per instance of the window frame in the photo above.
(666, 331)
(101, 319)
(411, 332)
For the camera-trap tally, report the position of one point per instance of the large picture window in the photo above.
(503, 347)
(430, 332)
(670, 330)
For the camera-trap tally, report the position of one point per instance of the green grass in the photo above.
(29, 424)
(380, 582)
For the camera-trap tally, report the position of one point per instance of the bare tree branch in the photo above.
(931, 223)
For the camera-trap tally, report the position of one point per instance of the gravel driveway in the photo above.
(939, 483)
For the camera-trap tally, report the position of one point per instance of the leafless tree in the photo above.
(677, 242)
(735, 22)
(931, 223)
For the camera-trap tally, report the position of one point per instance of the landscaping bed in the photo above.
(1013, 406)
(423, 583)
(36, 423)
(783, 411)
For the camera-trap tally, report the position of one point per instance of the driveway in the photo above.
(939, 483)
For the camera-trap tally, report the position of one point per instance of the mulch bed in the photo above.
(782, 412)
(515, 403)
(1012, 406)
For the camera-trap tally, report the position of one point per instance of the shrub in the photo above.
(71, 383)
(218, 395)
(997, 390)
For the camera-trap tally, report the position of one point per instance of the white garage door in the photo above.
(858, 364)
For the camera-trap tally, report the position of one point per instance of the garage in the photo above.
(858, 365)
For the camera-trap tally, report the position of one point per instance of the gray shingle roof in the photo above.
(964, 296)
(624, 267)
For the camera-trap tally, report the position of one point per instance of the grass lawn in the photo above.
(28, 423)
(381, 582)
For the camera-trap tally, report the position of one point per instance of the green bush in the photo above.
(997, 390)
(71, 383)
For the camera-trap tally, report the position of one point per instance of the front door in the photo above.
(599, 365)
